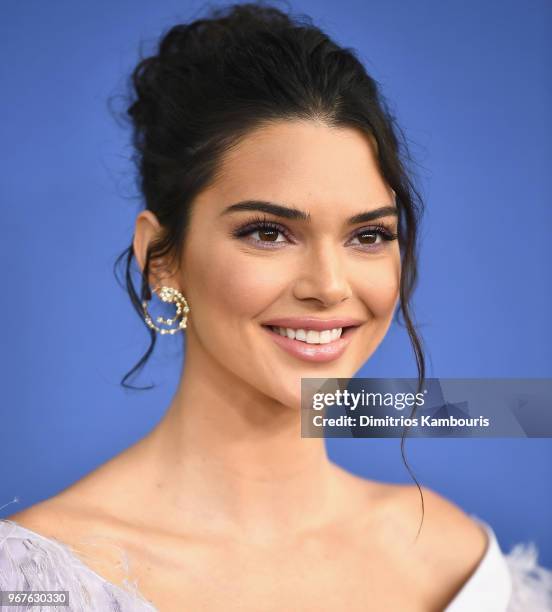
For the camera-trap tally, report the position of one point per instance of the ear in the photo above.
(147, 229)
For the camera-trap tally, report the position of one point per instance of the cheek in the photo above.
(379, 289)
(232, 282)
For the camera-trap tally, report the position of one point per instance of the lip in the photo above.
(318, 353)
(312, 323)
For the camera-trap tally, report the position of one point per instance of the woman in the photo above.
(282, 224)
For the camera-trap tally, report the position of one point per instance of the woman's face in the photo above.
(237, 277)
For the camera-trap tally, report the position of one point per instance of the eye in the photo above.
(263, 232)
(369, 236)
(266, 233)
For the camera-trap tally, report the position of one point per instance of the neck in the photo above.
(225, 456)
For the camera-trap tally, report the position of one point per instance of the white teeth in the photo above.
(310, 336)
(325, 336)
(313, 337)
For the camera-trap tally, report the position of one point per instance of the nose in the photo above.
(323, 277)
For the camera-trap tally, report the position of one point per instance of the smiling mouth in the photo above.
(312, 337)
(310, 345)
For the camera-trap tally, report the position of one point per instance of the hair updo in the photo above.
(217, 78)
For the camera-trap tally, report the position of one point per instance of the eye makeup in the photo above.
(271, 229)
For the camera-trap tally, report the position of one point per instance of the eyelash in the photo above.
(263, 223)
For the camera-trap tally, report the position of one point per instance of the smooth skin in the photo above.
(223, 505)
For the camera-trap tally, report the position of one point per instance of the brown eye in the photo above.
(268, 235)
(368, 237)
(262, 232)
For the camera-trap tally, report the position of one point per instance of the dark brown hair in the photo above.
(215, 79)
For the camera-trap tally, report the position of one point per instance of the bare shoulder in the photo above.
(450, 544)
(58, 518)
(83, 505)
(60, 514)
(449, 541)
(96, 541)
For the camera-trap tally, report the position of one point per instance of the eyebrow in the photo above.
(296, 214)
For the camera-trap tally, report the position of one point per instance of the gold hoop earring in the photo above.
(171, 295)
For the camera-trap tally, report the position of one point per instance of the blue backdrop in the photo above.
(470, 84)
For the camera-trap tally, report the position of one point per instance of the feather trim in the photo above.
(531, 582)
(29, 561)
(36, 563)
